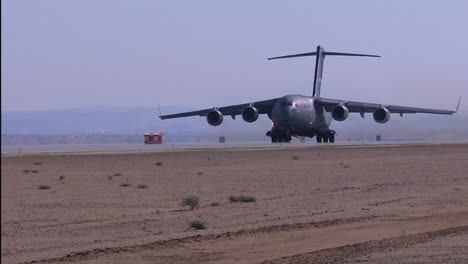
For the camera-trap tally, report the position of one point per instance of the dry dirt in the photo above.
(330, 204)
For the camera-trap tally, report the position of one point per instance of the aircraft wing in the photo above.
(264, 107)
(362, 107)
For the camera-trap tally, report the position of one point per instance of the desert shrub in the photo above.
(37, 163)
(198, 224)
(117, 174)
(141, 186)
(43, 187)
(109, 177)
(61, 177)
(34, 171)
(345, 165)
(295, 158)
(158, 163)
(191, 201)
(242, 199)
(248, 199)
(126, 184)
(215, 204)
(233, 199)
(25, 171)
(199, 173)
(404, 240)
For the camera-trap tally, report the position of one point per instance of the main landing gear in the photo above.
(279, 135)
(326, 137)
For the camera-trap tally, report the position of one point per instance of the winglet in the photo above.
(458, 105)
(159, 109)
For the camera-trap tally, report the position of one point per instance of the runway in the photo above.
(127, 148)
(391, 203)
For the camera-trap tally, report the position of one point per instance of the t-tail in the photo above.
(320, 53)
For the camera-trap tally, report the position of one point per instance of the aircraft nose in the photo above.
(288, 112)
(287, 109)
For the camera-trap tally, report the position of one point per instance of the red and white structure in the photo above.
(154, 138)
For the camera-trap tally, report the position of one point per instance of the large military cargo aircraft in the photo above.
(306, 116)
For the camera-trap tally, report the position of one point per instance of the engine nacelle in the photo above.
(214, 117)
(340, 112)
(250, 114)
(381, 115)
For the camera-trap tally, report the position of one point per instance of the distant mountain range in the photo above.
(139, 120)
(94, 120)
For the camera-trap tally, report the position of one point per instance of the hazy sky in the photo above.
(67, 54)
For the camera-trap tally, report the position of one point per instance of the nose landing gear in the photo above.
(328, 136)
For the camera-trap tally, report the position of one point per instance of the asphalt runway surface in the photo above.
(112, 148)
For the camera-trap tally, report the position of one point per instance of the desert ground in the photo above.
(319, 204)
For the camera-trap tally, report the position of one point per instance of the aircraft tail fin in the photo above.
(320, 57)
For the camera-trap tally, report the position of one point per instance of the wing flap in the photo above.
(363, 107)
(264, 107)
(186, 114)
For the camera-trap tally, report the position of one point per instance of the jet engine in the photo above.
(250, 114)
(382, 115)
(340, 112)
(214, 117)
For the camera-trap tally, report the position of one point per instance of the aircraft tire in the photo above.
(332, 138)
(319, 138)
(274, 139)
(325, 139)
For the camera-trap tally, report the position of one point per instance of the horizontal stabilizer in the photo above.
(350, 54)
(295, 55)
(324, 53)
(320, 53)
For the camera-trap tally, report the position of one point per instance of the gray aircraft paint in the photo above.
(299, 115)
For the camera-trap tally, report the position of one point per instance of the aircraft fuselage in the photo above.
(300, 116)
(307, 116)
